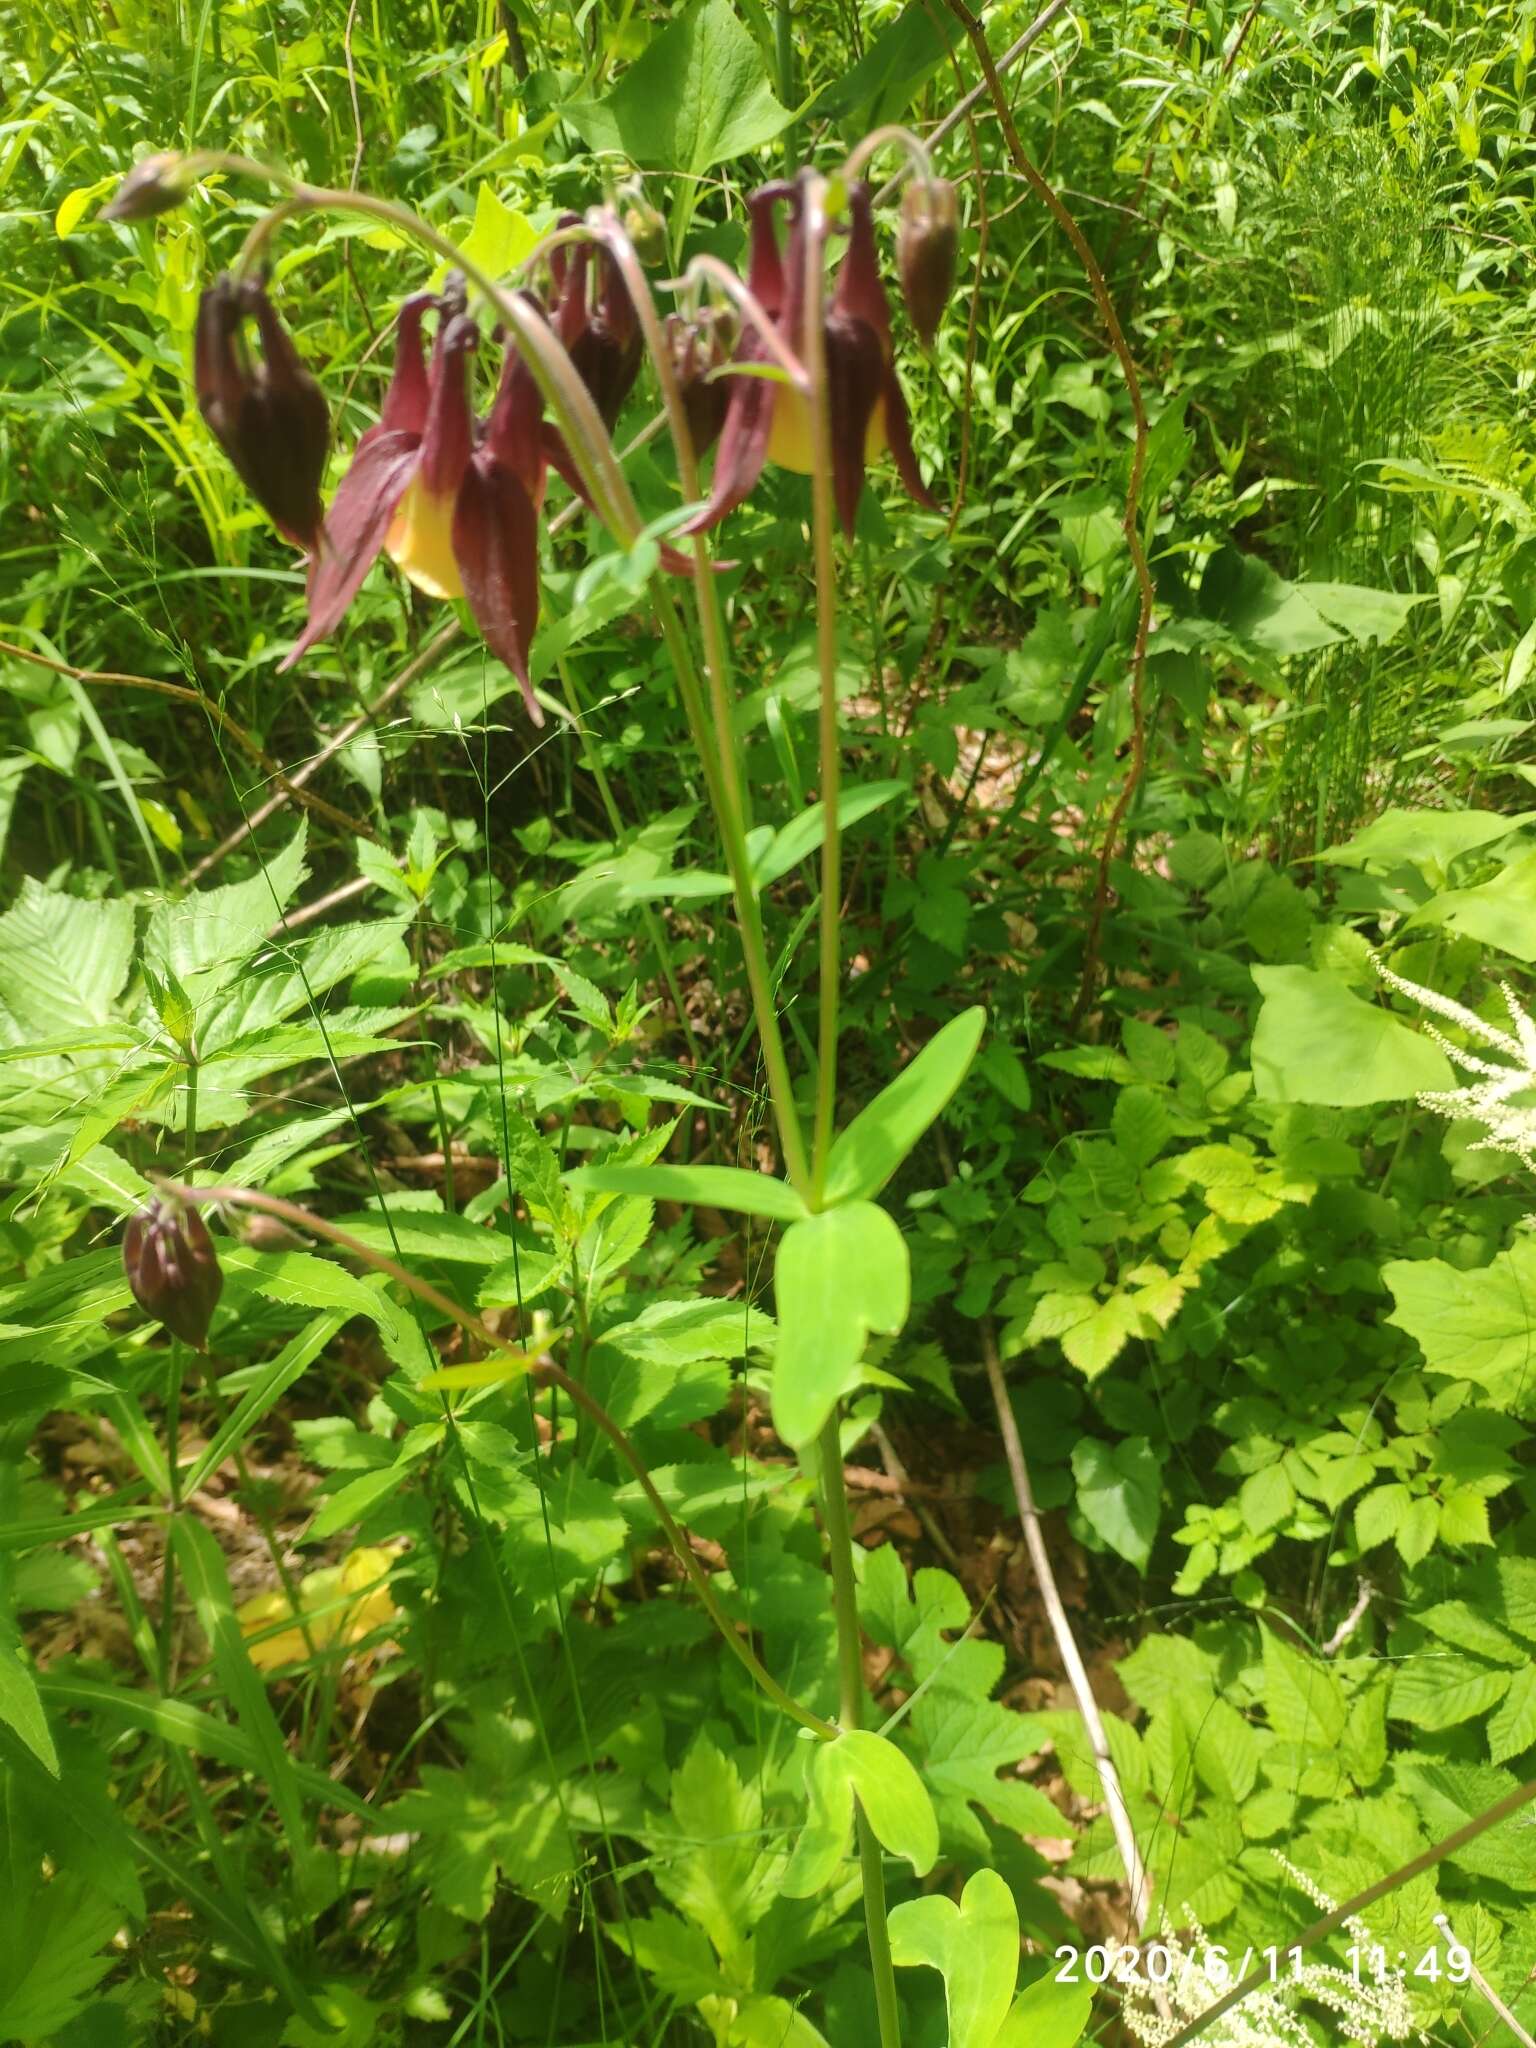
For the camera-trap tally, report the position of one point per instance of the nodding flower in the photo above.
(599, 327)
(268, 415)
(767, 419)
(453, 502)
(173, 1269)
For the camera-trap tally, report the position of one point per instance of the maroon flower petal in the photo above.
(514, 427)
(765, 267)
(898, 438)
(405, 403)
(359, 519)
(856, 374)
(860, 291)
(448, 438)
(496, 545)
(743, 439)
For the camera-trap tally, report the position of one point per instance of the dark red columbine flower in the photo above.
(269, 416)
(766, 420)
(454, 505)
(699, 346)
(599, 327)
(172, 1268)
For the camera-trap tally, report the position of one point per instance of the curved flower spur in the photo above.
(766, 418)
(453, 502)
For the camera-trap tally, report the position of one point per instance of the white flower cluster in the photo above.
(1488, 1098)
(1369, 2005)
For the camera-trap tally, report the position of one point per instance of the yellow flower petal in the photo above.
(420, 542)
(789, 436)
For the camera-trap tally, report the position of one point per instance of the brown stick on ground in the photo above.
(1060, 212)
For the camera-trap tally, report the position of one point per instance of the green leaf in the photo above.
(864, 1156)
(63, 960)
(1512, 1730)
(1141, 1124)
(1430, 840)
(1316, 1042)
(716, 1872)
(965, 1742)
(718, 1187)
(21, 1709)
(51, 1958)
(696, 98)
(975, 1948)
(1500, 912)
(881, 85)
(1303, 1696)
(1478, 1325)
(839, 1276)
(1119, 1489)
(893, 1796)
(803, 835)
(207, 1581)
(1047, 2015)
(1436, 1689)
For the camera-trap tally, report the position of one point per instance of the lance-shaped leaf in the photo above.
(720, 1187)
(838, 1276)
(885, 1130)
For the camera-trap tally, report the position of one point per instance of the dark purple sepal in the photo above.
(496, 545)
(405, 402)
(743, 439)
(898, 438)
(860, 291)
(355, 531)
(448, 438)
(856, 373)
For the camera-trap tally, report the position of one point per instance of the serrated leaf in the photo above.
(1119, 1491)
(1436, 1689)
(22, 1710)
(1474, 1325)
(1315, 1041)
(1141, 1124)
(1512, 1729)
(1303, 1696)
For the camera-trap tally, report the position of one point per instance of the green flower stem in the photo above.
(822, 516)
(529, 1361)
(731, 811)
(850, 1712)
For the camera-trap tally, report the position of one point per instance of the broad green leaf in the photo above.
(203, 937)
(54, 1953)
(864, 1156)
(1303, 1696)
(975, 1948)
(1512, 1730)
(1436, 1689)
(1316, 1042)
(965, 1743)
(1119, 1490)
(1500, 912)
(881, 85)
(1478, 1325)
(1047, 2015)
(696, 98)
(838, 1276)
(895, 1803)
(718, 1187)
(1430, 840)
(21, 1709)
(63, 960)
(892, 1795)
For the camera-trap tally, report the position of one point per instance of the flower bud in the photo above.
(269, 416)
(699, 346)
(173, 1269)
(643, 224)
(155, 185)
(925, 252)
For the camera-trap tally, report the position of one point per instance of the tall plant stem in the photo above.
(526, 1361)
(822, 515)
(713, 727)
(850, 1712)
